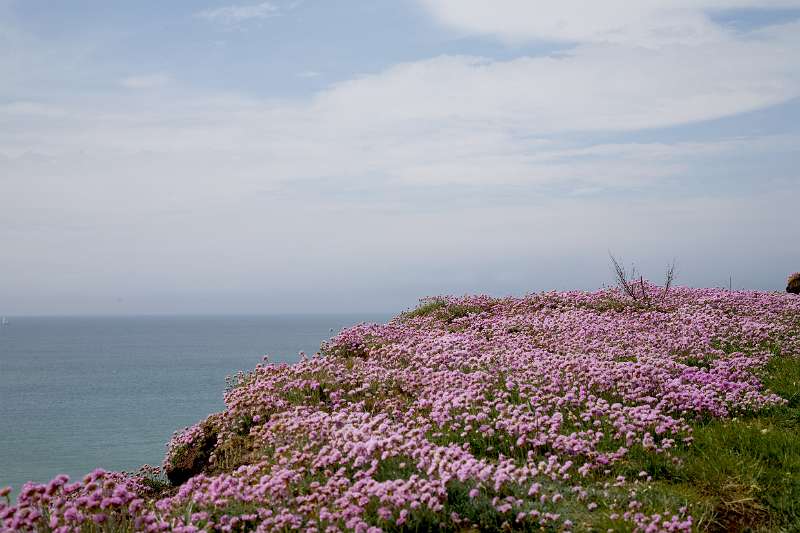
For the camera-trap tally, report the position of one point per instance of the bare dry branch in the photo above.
(633, 285)
(669, 278)
(622, 278)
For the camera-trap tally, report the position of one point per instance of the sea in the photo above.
(78, 393)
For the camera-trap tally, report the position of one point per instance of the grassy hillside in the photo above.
(556, 411)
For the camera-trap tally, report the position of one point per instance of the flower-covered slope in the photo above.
(519, 413)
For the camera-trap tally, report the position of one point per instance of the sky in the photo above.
(295, 156)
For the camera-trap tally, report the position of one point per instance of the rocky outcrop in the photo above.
(793, 283)
(191, 457)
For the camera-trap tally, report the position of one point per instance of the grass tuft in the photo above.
(743, 473)
(441, 309)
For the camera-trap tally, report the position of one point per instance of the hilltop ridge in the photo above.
(555, 411)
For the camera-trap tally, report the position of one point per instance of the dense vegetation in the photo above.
(556, 411)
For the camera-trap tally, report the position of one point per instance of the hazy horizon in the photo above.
(271, 157)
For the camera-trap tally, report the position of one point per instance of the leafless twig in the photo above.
(669, 277)
(634, 286)
(623, 278)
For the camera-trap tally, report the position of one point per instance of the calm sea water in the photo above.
(81, 393)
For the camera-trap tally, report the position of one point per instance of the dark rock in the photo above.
(793, 285)
(192, 459)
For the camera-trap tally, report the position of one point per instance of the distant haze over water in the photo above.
(78, 393)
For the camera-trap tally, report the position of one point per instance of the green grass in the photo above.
(740, 474)
(782, 376)
(442, 310)
(399, 467)
(427, 307)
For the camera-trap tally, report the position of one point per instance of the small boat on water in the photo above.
(4, 321)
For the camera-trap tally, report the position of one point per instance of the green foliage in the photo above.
(697, 362)
(426, 307)
(158, 484)
(610, 304)
(743, 473)
(399, 467)
(749, 469)
(782, 376)
(231, 454)
(657, 465)
(441, 309)
(478, 511)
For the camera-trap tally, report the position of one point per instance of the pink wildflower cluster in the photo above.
(518, 406)
(101, 498)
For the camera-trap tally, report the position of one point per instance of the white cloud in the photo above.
(448, 119)
(452, 158)
(640, 22)
(591, 88)
(146, 81)
(239, 13)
